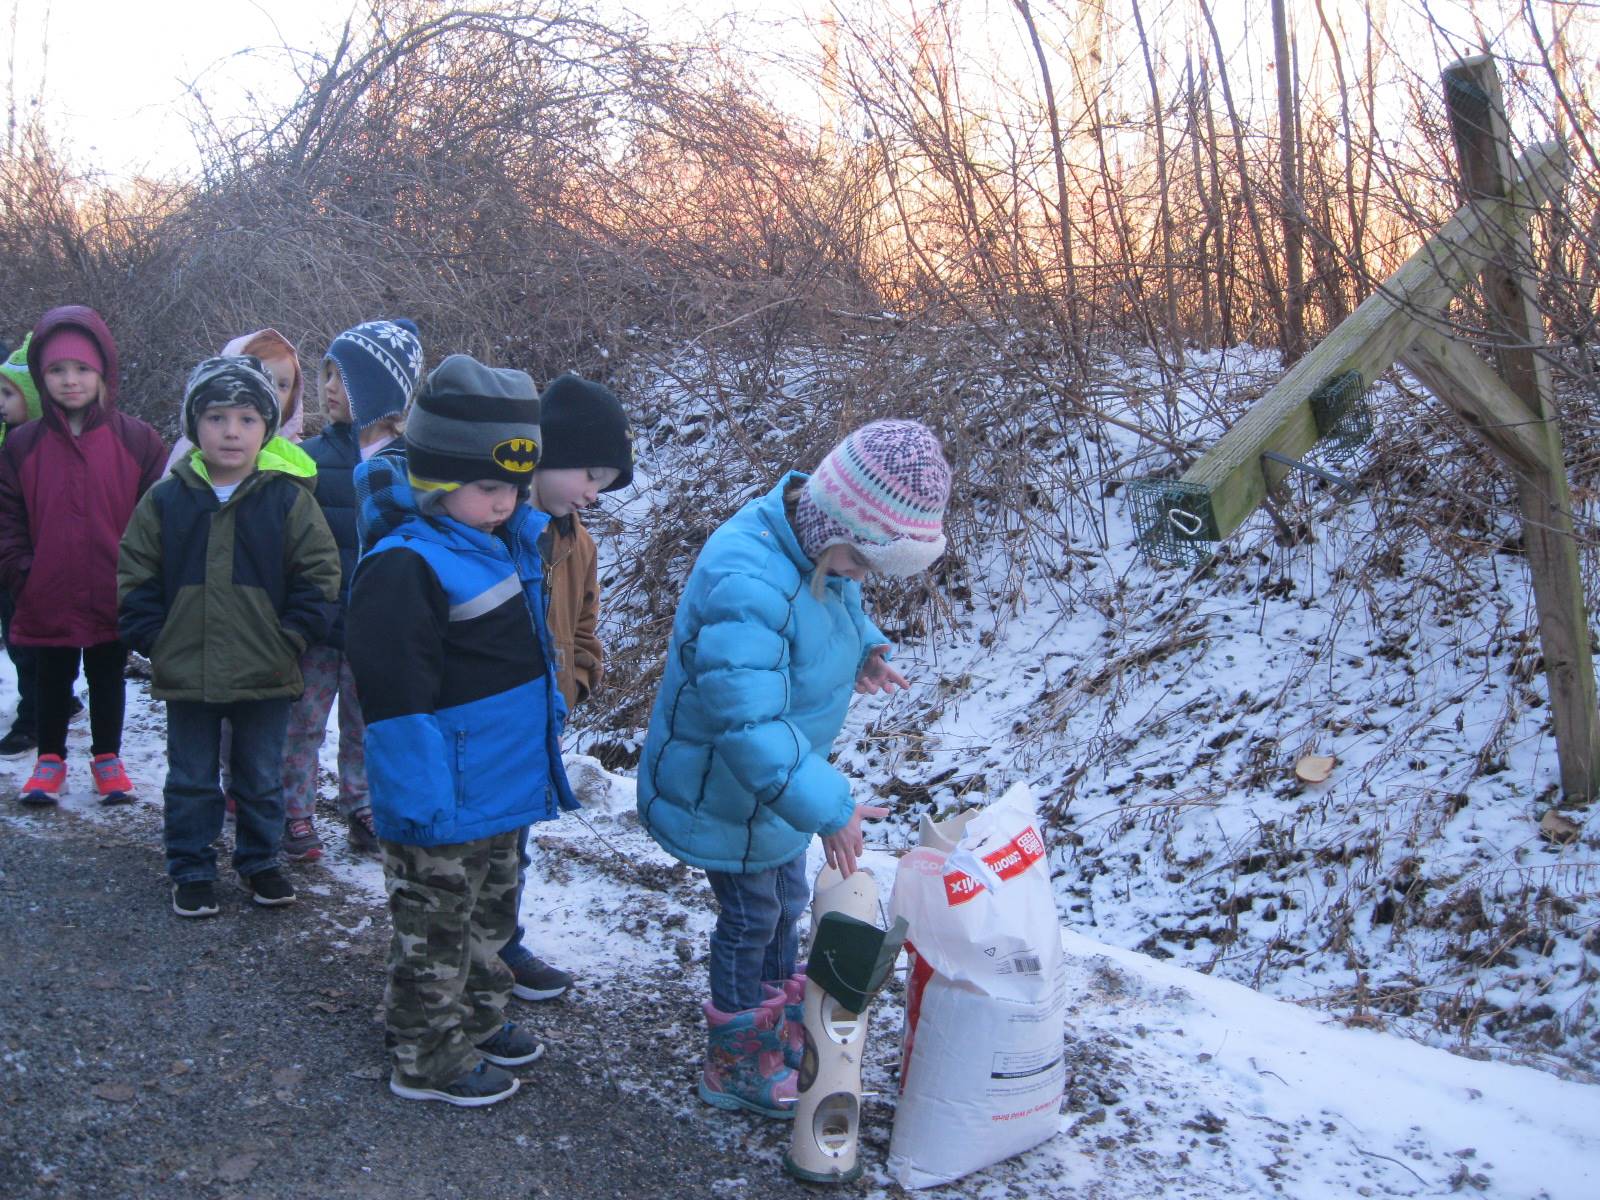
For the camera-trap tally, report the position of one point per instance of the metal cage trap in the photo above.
(1343, 417)
(1173, 521)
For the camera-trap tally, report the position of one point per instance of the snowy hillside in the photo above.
(1159, 712)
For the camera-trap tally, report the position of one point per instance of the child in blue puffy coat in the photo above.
(768, 644)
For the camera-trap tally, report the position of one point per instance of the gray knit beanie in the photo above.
(472, 422)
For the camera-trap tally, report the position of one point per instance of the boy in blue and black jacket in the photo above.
(452, 657)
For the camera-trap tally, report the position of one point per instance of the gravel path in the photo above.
(241, 1056)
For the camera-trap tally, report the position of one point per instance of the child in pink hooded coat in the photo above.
(68, 485)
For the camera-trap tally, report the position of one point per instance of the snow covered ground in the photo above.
(1159, 711)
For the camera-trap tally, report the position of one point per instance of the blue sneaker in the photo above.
(511, 1046)
(484, 1084)
(534, 979)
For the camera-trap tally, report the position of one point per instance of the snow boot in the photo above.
(792, 1029)
(744, 1061)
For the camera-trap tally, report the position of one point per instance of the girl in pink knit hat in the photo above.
(769, 641)
(68, 486)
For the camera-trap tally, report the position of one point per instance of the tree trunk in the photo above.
(1291, 205)
(1264, 266)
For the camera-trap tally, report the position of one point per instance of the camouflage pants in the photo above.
(327, 674)
(453, 907)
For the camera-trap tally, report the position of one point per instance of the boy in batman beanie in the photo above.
(451, 652)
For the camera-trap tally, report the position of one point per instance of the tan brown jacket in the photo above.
(574, 588)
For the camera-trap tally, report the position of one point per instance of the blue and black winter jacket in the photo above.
(451, 656)
(735, 774)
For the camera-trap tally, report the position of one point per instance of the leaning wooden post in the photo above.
(1478, 121)
(1227, 483)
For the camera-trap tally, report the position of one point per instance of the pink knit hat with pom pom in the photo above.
(883, 491)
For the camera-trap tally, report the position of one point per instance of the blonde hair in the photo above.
(819, 575)
(826, 562)
(830, 554)
(392, 426)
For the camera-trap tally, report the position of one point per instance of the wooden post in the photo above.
(1466, 383)
(1478, 121)
(1404, 306)
(1512, 405)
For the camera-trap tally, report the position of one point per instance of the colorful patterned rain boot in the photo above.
(792, 1030)
(744, 1061)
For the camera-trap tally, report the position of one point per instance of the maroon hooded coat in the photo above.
(65, 502)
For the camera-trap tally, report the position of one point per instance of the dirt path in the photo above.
(146, 1056)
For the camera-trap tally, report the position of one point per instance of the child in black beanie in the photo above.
(588, 449)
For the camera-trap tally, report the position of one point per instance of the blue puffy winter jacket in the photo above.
(452, 658)
(735, 774)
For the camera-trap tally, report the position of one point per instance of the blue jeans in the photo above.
(193, 794)
(758, 931)
(514, 953)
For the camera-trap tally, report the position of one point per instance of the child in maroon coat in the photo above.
(68, 485)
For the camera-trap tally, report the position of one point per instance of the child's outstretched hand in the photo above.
(845, 846)
(878, 676)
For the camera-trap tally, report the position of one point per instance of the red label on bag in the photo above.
(1011, 860)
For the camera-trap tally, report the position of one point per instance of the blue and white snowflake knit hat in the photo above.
(379, 363)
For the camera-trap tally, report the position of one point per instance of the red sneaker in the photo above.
(300, 841)
(45, 784)
(111, 779)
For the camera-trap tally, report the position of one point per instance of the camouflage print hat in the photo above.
(233, 380)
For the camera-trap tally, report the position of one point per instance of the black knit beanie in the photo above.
(472, 422)
(584, 426)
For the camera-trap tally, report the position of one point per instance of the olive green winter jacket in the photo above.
(225, 597)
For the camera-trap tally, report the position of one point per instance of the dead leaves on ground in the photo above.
(1557, 829)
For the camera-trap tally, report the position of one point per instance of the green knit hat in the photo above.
(15, 372)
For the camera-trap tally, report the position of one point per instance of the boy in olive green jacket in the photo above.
(227, 573)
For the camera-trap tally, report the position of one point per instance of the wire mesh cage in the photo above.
(1173, 521)
(1343, 417)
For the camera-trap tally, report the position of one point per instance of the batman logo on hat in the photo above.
(517, 455)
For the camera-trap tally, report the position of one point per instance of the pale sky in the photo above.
(114, 78)
(116, 75)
